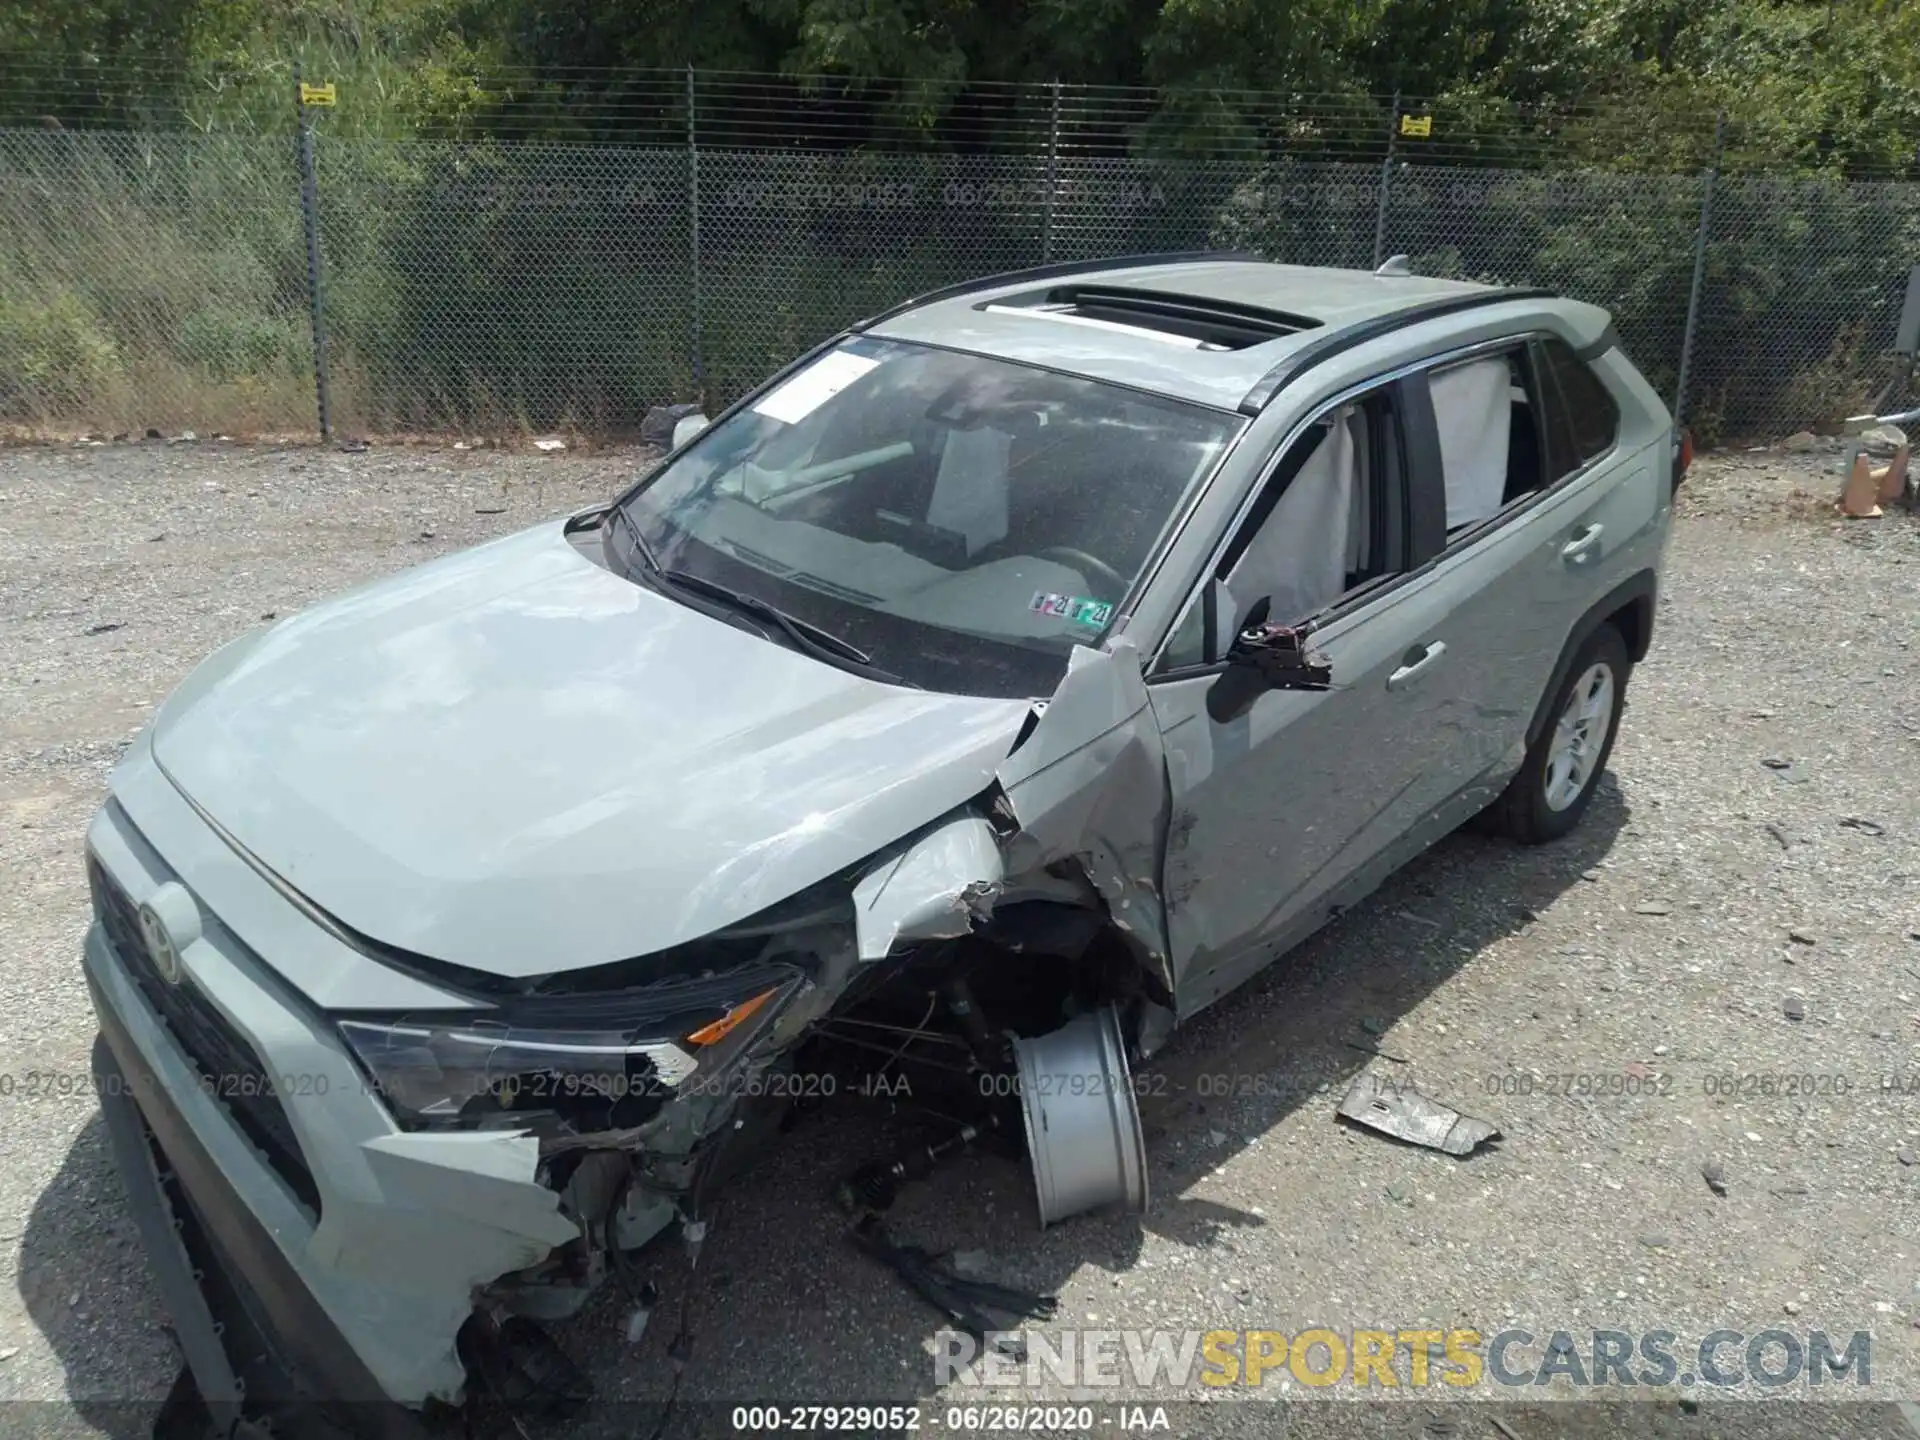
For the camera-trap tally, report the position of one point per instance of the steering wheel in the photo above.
(1090, 567)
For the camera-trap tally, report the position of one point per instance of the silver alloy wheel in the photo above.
(1579, 735)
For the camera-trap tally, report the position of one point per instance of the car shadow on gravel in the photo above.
(84, 1281)
(1299, 1032)
(778, 1276)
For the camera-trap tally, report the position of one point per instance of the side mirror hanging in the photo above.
(1265, 656)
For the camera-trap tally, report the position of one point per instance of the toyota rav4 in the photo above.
(1072, 641)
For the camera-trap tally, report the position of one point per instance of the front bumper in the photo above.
(359, 1255)
(252, 1332)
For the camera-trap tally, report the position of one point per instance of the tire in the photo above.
(1557, 780)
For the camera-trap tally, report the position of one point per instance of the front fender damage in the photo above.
(938, 886)
(1089, 787)
(1078, 818)
(1075, 821)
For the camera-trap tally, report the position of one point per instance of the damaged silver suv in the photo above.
(1063, 645)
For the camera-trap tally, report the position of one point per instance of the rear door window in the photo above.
(1488, 421)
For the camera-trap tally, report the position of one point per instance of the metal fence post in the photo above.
(1699, 269)
(1386, 184)
(316, 270)
(693, 213)
(1053, 175)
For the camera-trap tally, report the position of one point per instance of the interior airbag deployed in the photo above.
(1473, 408)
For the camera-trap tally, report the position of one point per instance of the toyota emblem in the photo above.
(160, 947)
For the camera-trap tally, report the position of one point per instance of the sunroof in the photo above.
(1196, 323)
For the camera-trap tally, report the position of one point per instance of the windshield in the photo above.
(964, 521)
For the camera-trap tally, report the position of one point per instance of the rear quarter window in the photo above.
(1585, 420)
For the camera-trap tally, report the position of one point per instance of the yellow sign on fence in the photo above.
(316, 94)
(1418, 126)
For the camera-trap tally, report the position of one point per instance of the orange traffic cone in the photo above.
(1893, 480)
(1859, 499)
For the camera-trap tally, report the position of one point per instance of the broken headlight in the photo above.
(581, 1062)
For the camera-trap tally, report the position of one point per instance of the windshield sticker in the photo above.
(814, 386)
(1073, 609)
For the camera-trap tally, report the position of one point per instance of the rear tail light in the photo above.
(1682, 456)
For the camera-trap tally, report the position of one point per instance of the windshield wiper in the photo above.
(640, 546)
(820, 643)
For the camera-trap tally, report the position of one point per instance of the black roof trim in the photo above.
(1168, 305)
(1325, 347)
(1053, 272)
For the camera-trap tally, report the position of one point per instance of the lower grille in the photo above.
(230, 1070)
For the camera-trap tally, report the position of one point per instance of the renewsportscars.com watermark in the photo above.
(1319, 1357)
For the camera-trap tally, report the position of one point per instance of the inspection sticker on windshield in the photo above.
(1071, 608)
(814, 386)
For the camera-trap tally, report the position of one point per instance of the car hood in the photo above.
(513, 760)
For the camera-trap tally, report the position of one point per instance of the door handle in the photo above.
(1584, 540)
(1415, 661)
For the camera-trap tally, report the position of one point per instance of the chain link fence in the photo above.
(485, 285)
(152, 280)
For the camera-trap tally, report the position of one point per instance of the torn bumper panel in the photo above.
(363, 1242)
(180, 1200)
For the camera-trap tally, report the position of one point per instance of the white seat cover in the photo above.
(970, 489)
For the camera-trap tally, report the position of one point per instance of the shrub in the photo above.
(228, 344)
(53, 355)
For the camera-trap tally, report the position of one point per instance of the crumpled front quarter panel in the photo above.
(1090, 784)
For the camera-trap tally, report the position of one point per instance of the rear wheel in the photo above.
(1563, 765)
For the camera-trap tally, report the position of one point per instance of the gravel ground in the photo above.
(1709, 897)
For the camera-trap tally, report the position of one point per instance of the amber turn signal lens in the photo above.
(718, 1030)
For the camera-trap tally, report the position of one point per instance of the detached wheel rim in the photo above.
(1579, 735)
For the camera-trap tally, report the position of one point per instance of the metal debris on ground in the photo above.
(1406, 1114)
(1865, 827)
(549, 443)
(964, 1300)
(1795, 1008)
(1376, 1050)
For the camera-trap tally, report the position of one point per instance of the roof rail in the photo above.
(1051, 272)
(1325, 347)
